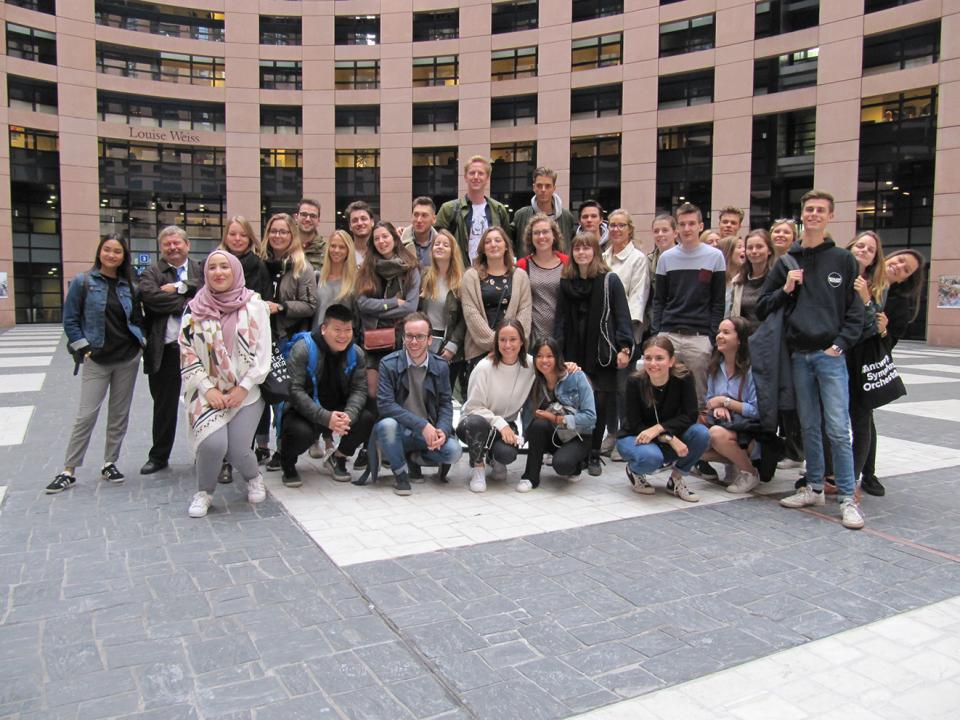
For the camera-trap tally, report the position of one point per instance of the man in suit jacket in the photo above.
(165, 288)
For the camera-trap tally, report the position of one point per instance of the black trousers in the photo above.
(165, 391)
(476, 432)
(298, 434)
(568, 457)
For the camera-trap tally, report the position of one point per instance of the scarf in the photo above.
(583, 311)
(222, 307)
(557, 205)
(391, 272)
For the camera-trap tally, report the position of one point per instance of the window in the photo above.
(357, 119)
(595, 52)
(595, 170)
(595, 102)
(29, 94)
(589, 9)
(513, 166)
(357, 178)
(513, 110)
(163, 66)
(782, 16)
(153, 112)
(281, 30)
(436, 117)
(512, 64)
(684, 167)
(785, 72)
(357, 74)
(435, 172)
(684, 89)
(44, 6)
(281, 180)
(356, 30)
(31, 44)
(683, 36)
(436, 25)
(439, 70)
(168, 20)
(281, 119)
(781, 164)
(514, 16)
(281, 158)
(902, 48)
(876, 5)
(281, 75)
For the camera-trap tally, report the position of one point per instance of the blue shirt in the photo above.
(720, 384)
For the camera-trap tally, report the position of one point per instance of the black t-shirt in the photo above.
(492, 289)
(330, 390)
(119, 344)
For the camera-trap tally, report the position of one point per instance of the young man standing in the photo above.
(307, 217)
(731, 218)
(824, 319)
(545, 200)
(468, 217)
(591, 220)
(360, 219)
(419, 235)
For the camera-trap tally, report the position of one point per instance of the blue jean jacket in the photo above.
(573, 391)
(85, 309)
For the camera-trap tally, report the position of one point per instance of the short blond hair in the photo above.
(482, 159)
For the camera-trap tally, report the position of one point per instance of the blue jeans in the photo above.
(819, 379)
(645, 459)
(395, 441)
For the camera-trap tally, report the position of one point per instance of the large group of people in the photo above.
(552, 331)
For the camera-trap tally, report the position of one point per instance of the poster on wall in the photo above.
(3, 285)
(948, 291)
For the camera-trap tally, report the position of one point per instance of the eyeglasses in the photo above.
(309, 216)
(540, 233)
(617, 226)
(279, 231)
(415, 338)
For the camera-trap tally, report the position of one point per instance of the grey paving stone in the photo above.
(508, 654)
(677, 665)
(604, 658)
(653, 642)
(470, 609)
(390, 662)
(178, 712)
(208, 655)
(597, 633)
(288, 647)
(308, 707)
(423, 696)
(296, 679)
(549, 638)
(108, 707)
(356, 632)
(89, 686)
(340, 673)
(729, 645)
(558, 679)
(371, 704)
(143, 652)
(467, 671)
(594, 700)
(424, 614)
(240, 696)
(444, 638)
(514, 698)
(165, 684)
(76, 659)
(630, 682)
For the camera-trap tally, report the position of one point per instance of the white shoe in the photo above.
(851, 514)
(317, 450)
(681, 490)
(639, 483)
(744, 483)
(256, 492)
(790, 464)
(478, 481)
(499, 470)
(803, 497)
(200, 504)
(524, 485)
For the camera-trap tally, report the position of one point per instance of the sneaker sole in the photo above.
(56, 491)
(402, 493)
(256, 500)
(293, 483)
(113, 482)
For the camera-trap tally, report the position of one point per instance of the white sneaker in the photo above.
(744, 483)
(803, 497)
(639, 483)
(790, 464)
(478, 481)
(524, 485)
(256, 492)
(851, 514)
(548, 459)
(499, 470)
(730, 473)
(317, 450)
(200, 504)
(681, 490)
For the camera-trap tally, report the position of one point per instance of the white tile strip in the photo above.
(954, 369)
(26, 349)
(13, 426)
(912, 379)
(906, 667)
(932, 409)
(21, 382)
(25, 361)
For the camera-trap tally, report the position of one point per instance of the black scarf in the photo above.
(582, 306)
(391, 272)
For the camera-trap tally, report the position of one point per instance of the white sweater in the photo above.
(498, 393)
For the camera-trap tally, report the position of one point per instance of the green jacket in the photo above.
(568, 228)
(315, 252)
(454, 216)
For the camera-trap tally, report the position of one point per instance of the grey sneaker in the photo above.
(744, 483)
(681, 490)
(639, 483)
(336, 465)
(803, 497)
(851, 514)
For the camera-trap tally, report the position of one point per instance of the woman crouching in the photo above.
(224, 356)
(661, 424)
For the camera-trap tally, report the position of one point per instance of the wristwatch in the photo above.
(837, 349)
(666, 437)
(726, 402)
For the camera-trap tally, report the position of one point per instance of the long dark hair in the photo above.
(679, 370)
(368, 281)
(125, 271)
(538, 387)
(515, 324)
(912, 287)
(741, 362)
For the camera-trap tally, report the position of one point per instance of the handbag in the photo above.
(380, 339)
(275, 388)
(874, 379)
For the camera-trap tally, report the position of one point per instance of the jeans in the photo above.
(483, 441)
(395, 441)
(568, 457)
(645, 459)
(818, 379)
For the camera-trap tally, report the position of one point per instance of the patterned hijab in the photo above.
(209, 304)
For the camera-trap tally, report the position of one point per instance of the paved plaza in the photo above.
(336, 601)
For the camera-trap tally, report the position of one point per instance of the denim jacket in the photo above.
(85, 309)
(394, 389)
(572, 391)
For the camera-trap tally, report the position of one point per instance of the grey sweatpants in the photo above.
(120, 379)
(232, 441)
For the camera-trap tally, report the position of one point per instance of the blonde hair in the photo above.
(349, 277)
(728, 246)
(430, 282)
(294, 251)
(254, 243)
(876, 272)
(482, 159)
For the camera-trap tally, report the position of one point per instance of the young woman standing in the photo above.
(101, 321)
(337, 276)
(665, 234)
(241, 241)
(749, 281)
(783, 233)
(544, 265)
(440, 301)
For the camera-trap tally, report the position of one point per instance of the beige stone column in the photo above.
(319, 116)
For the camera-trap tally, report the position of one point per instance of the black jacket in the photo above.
(827, 310)
(352, 374)
(159, 305)
(677, 409)
(596, 350)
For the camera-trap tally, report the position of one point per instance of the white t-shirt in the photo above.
(478, 225)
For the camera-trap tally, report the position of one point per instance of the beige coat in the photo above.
(479, 340)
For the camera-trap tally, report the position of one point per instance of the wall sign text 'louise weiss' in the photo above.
(177, 136)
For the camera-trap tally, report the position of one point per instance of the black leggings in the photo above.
(567, 457)
(484, 441)
(298, 434)
(604, 399)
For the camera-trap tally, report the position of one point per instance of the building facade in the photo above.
(126, 116)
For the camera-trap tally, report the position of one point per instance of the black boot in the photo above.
(593, 463)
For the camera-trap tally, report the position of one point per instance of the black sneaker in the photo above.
(361, 462)
(337, 466)
(871, 486)
(110, 473)
(593, 463)
(226, 474)
(263, 454)
(704, 471)
(61, 482)
(274, 462)
(401, 485)
(291, 478)
(414, 470)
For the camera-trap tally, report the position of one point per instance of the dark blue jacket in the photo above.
(85, 308)
(393, 390)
